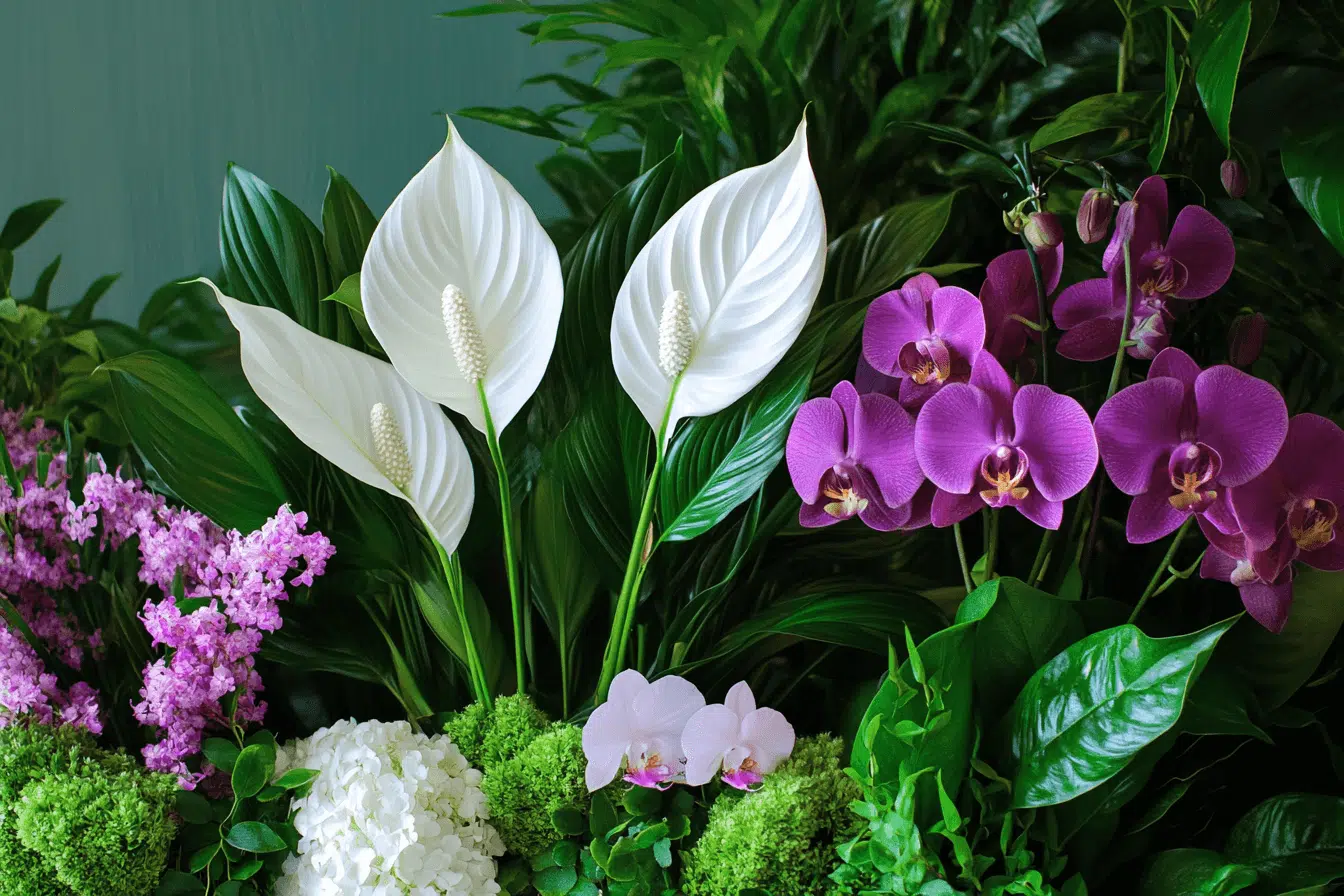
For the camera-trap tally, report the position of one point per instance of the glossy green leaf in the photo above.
(220, 753)
(1216, 75)
(1194, 872)
(179, 883)
(1175, 73)
(252, 770)
(1314, 166)
(1294, 840)
(25, 221)
(255, 836)
(1020, 30)
(194, 441)
(348, 294)
(516, 118)
(1085, 715)
(194, 808)
(716, 463)
(1221, 703)
(555, 881)
(873, 257)
(272, 254)
(1096, 113)
(1276, 666)
(347, 226)
(436, 607)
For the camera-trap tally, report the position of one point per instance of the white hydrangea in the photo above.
(392, 813)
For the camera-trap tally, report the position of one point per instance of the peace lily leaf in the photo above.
(326, 394)
(25, 221)
(745, 257)
(1084, 715)
(1194, 872)
(1216, 76)
(1162, 132)
(1294, 840)
(1096, 113)
(348, 295)
(347, 226)
(1314, 171)
(458, 223)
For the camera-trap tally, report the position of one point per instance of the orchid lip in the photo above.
(1191, 467)
(745, 777)
(1311, 523)
(926, 361)
(838, 485)
(1005, 469)
(652, 774)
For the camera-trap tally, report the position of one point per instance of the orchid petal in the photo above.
(1151, 515)
(1057, 435)
(1243, 418)
(740, 700)
(882, 440)
(948, 508)
(814, 516)
(867, 379)
(1086, 300)
(664, 707)
(325, 393)
(1137, 428)
(606, 738)
(959, 318)
(709, 734)
(922, 284)
(1041, 510)
(1310, 458)
(1217, 565)
(1203, 244)
(953, 433)
(1176, 364)
(1267, 604)
(1091, 340)
(747, 253)
(770, 737)
(459, 223)
(816, 443)
(1150, 223)
(989, 377)
(893, 319)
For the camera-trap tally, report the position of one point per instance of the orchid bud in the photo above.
(1124, 221)
(1234, 178)
(1043, 230)
(1094, 215)
(1012, 221)
(1246, 338)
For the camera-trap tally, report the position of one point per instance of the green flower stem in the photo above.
(1124, 325)
(961, 555)
(1162, 568)
(452, 571)
(510, 554)
(992, 553)
(1044, 322)
(1038, 565)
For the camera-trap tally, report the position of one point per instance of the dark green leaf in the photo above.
(252, 770)
(517, 118)
(296, 777)
(1020, 30)
(1086, 713)
(662, 853)
(873, 257)
(1216, 75)
(642, 801)
(178, 883)
(201, 857)
(194, 441)
(566, 578)
(1157, 148)
(1096, 113)
(555, 881)
(1194, 872)
(82, 311)
(247, 870)
(1294, 840)
(1314, 166)
(568, 822)
(25, 221)
(958, 137)
(348, 294)
(1221, 703)
(41, 295)
(255, 836)
(347, 226)
(221, 753)
(193, 807)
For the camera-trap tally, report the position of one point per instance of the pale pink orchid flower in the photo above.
(639, 728)
(745, 742)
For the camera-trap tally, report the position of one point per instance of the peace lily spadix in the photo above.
(359, 413)
(462, 287)
(711, 304)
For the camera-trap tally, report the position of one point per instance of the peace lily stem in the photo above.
(510, 553)
(961, 556)
(452, 572)
(1161, 568)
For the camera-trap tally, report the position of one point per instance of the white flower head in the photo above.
(639, 727)
(745, 742)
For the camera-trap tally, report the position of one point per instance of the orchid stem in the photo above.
(452, 571)
(1124, 324)
(961, 555)
(1161, 568)
(992, 553)
(1044, 325)
(510, 555)
(1042, 554)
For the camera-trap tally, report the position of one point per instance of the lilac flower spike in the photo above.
(924, 335)
(745, 742)
(639, 728)
(990, 443)
(1192, 261)
(853, 455)
(1181, 438)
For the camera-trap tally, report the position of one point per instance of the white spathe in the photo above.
(326, 394)
(747, 252)
(459, 224)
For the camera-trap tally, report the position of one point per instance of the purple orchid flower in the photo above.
(1009, 293)
(990, 443)
(1193, 261)
(923, 335)
(1181, 438)
(734, 736)
(1267, 600)
(853, 455)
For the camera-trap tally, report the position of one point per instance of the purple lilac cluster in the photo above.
(934, 428)
(207, 677)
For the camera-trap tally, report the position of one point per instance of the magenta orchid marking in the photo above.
(736, 738)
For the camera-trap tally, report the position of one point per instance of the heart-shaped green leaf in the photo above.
(1294, 840)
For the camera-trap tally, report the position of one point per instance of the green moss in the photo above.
(489, 737)
(526, 790)
(28, 754)
(782, 837)
(466, 729)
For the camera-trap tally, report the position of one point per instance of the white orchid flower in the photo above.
(462, 287)
(734, 736)
(638, 728)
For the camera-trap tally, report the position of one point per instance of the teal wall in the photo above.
(131, 110)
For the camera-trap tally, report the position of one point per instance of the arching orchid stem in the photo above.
(1124, 324)
(1038, 566)
(961, 555)
(452, 572)
(992, 551)
(1179, 574)
(1161, 568)
(1043, 326)
(510, 554)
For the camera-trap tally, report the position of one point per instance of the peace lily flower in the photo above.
(359, 413)
(734, 736)
(923, 335)
(462, 287)
(1009, 297)
(1181, 438)
(989, 443)
(852, 455)
(1193, 261)
(639, 729)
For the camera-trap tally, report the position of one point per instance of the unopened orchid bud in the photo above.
(1012, 221)
(1234, 178)
(1246, 338)
(1043, 230)
(1124, 221)
(1094, 215)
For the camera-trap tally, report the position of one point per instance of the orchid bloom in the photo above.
(1009, 297)
(639, 729)
(1193, 261)
(1178, 440)
(989, 443)
(923, 335)
(852, 455)
(734, 736)
(1268, 600)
